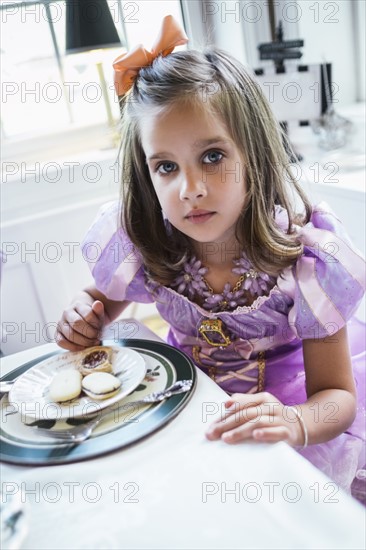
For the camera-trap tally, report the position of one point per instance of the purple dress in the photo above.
(313, 299)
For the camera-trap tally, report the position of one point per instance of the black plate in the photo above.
(165, 365)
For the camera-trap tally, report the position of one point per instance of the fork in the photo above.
(78, 434)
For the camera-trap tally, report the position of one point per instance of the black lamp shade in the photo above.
(89, 26)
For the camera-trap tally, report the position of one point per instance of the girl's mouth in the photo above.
(199, 216)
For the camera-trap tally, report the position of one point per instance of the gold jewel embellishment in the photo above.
(212, 331)
(261, 370)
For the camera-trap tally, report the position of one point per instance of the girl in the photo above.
(258, 293)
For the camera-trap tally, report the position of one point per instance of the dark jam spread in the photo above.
(94, 359)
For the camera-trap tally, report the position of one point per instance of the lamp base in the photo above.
(114, 135)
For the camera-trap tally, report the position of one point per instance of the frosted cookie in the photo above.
(97, 359)
(101, 385)
(65, 385)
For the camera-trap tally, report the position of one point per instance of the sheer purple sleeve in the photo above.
(328, 281)
(115, 263)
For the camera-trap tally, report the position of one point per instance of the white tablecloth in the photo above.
(176, 489)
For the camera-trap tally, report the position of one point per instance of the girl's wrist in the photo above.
(301, 438)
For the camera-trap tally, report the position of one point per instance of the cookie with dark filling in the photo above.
(101, 385)
(96, 359)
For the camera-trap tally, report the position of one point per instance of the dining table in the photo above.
(173, 488)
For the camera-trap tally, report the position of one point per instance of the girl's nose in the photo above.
(192, 188)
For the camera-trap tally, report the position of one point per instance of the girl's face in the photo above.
(197, 172)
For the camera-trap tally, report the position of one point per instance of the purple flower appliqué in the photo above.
(191, 280)
(228, 299)
(191, 283)
(256, 282)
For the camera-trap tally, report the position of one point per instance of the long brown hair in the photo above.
(214, 80)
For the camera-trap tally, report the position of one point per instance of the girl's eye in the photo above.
(213, 157)
(165, 168)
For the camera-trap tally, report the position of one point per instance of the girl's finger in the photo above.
(80, 331)
(78, 324)
(251, 412)
(241, 400)
(88, 337)
(88, 315)
(242, 433)
(239, 418)
(98, 309)
(66, 344)
(245, 431)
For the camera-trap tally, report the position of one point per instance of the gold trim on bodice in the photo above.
(240, 374)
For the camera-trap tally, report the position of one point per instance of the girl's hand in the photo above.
(81, 325)
(260, 416)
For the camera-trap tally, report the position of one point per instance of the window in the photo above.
(45, 91)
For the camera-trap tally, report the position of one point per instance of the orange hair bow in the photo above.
(127, 66)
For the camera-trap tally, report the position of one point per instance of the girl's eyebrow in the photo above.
(203, 142)
(199, 144)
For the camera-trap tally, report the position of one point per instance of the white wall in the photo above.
(359, 20)
(224, 23)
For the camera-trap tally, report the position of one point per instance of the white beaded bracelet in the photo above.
(302, 424)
